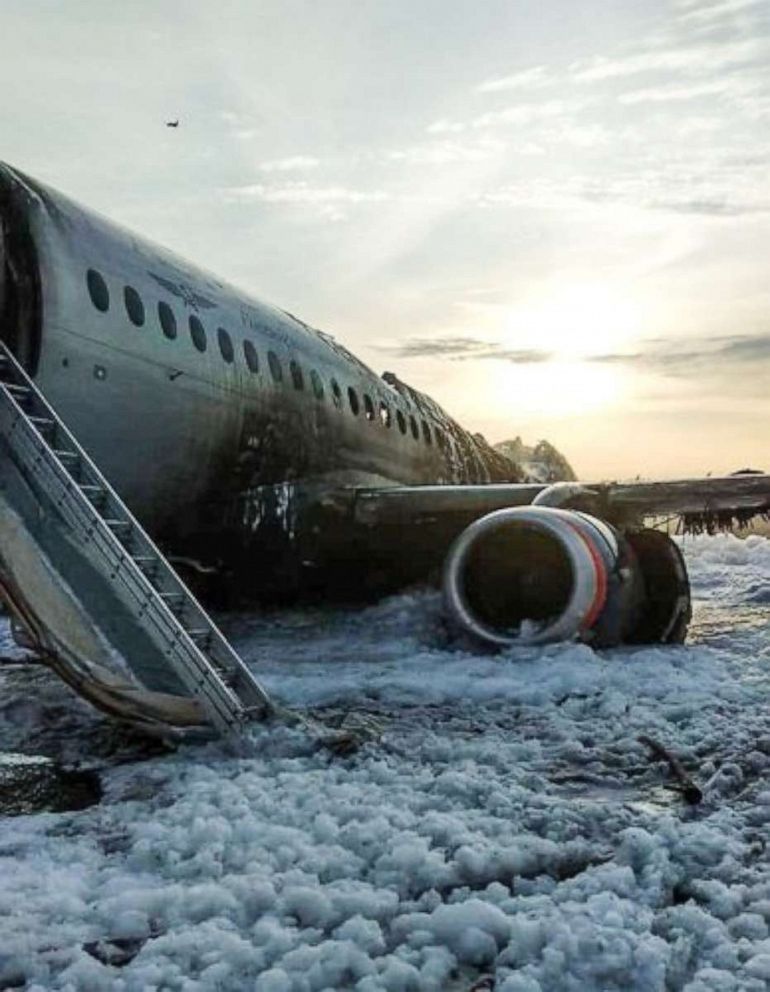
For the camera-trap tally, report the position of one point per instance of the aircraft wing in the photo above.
(703, 504)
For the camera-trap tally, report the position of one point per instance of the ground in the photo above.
(509, 823)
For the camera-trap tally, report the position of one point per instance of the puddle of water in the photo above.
(35, 784)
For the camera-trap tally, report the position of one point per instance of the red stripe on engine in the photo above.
(600, 571)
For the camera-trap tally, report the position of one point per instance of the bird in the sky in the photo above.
(173, 123)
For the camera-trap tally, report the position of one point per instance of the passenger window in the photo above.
(167, 320)
(296, 375)
(134, 306)
(197, 333)
(413, 427)
(275, 366)
(353, 400)
(426, 433)
(401, 421)
(250, 354)
(97, 290)
(225, 345)
(368, 407)
(336, 393)
(318, 386)
(385, 414)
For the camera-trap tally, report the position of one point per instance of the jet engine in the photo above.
(538, 574)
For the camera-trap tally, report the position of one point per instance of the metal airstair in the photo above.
(196, 651)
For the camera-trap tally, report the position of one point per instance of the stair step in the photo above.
(173, 597)
(149, 566)
(42, 423)
(17, 391)
(200, 635)
(93, 491)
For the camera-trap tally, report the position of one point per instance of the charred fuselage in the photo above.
(205, 407)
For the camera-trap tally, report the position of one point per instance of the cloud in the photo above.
(720, 357)
(463, 349)
(443, 126)
(292, 164)
(692, 59)
(746, 348)
(584, 135)
(710, 208)
(327, 201)
(617, 358)
(700, 12)
(302, 192)
(743, 92)
(720, 193)
(414, 347)
(520, 356)
(536, 76)
(524, 113)
(446, 152)
(666, 92)
(734, 360)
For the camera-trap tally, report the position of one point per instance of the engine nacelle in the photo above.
(537, 574)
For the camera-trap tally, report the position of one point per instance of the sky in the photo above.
(552, 216)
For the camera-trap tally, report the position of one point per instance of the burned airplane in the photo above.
(148, 405)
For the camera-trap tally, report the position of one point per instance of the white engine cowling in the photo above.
(538, 574)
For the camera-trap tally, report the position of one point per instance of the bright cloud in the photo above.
(294, 163)
(536, 76)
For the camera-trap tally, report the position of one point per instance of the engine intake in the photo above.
(537, 574)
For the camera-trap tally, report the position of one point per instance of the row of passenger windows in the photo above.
(134, 305)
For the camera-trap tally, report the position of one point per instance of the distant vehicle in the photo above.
(173, 123)
(269, 461)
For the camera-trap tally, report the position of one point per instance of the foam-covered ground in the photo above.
(509, 823)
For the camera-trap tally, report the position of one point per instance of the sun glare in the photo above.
(558, 388)
(576, 321)
(569, 327)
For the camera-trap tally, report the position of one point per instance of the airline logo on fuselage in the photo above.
(189, 296)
